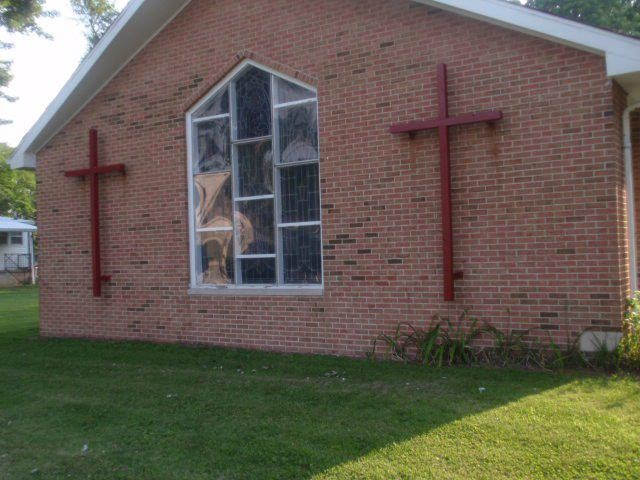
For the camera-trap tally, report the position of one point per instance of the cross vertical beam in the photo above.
(93, 173)
(443, 122)
(445, 186)
(95, 214)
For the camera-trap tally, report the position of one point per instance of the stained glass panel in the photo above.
(258, 271)
(298, 127)
(253, 104)
(290, 92)
(300, 196)
(229, 163)
(214, 252)
(301, 255)
(218, 105)
(255, 169)
(213, 153)
(254, 222)
(213, 200)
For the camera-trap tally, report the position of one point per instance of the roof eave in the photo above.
(141, 20)
(18, 229)
(10, 225)
(137, 25)
(622, 53)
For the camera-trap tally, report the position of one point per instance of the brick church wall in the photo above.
(538, 199)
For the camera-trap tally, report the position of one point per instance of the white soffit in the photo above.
(141, 20)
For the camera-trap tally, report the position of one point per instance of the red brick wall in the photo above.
(538, 201)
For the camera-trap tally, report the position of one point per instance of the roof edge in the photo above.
(154, 18)
(8, 224)
(142, 20)
(616, 47)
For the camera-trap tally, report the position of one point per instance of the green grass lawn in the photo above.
(172, 412)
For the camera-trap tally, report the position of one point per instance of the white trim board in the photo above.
(142, 20)
(622, 52)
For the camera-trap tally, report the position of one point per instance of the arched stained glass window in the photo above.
(254, 180)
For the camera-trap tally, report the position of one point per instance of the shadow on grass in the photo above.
(173, 412)
(161, 411)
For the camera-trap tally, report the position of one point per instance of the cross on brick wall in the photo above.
(443, 122)
(93, 173)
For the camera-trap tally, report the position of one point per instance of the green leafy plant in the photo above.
(398, 344)
(428, 345)
(445, 343)
(17, 188)
(560, 357)
(509, 348)
(96, 16)
(456, 341)
(604, 358)
(618, 15)
(629, 348)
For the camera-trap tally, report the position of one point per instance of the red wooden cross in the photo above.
(442, 123)
(93, 172)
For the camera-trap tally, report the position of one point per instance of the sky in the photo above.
(40, 68)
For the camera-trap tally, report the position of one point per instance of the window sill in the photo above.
(258, 291)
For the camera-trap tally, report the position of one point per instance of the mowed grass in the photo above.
(172, 412)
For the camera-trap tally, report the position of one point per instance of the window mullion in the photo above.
(252, 140)
(319, 192)
(275, 145)
(214, 229)
(255, 197)
(312, 223)
(295, 103)
(299, 163)
(234, 182)
(210, 118)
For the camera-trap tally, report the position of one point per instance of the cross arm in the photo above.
(119, 167)
(417, 126)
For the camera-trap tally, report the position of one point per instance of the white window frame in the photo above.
(234, 289)
(14, 235)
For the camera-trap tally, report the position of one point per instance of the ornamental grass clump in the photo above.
(509, 348)
(446, 343)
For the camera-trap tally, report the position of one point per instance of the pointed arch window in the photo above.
(254, 185)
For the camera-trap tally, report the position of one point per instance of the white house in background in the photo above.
(17, 260)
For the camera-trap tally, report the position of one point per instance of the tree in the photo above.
(21, 16)
(18, 16)
(17, 188)
(621, 16)
(96, 15)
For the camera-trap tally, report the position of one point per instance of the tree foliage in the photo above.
(96, 16)
(621, 16)
(17, 188)
(21, 16)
